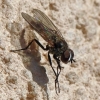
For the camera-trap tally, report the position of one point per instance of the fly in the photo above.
(56, 44)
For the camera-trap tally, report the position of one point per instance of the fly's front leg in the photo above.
(58, 67)
(58, 62)
(30, 44)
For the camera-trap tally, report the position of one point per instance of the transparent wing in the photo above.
(45, 20)
(43, 25)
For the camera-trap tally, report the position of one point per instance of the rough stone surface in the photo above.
(28, 75)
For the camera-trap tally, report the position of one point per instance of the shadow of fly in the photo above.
(56, 43)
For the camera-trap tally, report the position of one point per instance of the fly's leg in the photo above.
(56, 80)
(51, 64)
(30, 44)
(58, 67)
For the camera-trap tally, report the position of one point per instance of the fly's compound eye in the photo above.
(67, 56)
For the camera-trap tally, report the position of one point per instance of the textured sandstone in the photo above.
(27, 75)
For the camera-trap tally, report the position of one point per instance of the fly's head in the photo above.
(67, 56)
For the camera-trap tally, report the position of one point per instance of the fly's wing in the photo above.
(43, 25)
(46, 21)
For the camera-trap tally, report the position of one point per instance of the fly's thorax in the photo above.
(61, 45)
(58, 48)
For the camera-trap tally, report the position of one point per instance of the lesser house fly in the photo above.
(56, 43)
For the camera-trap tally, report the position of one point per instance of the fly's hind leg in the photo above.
(30, 44)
